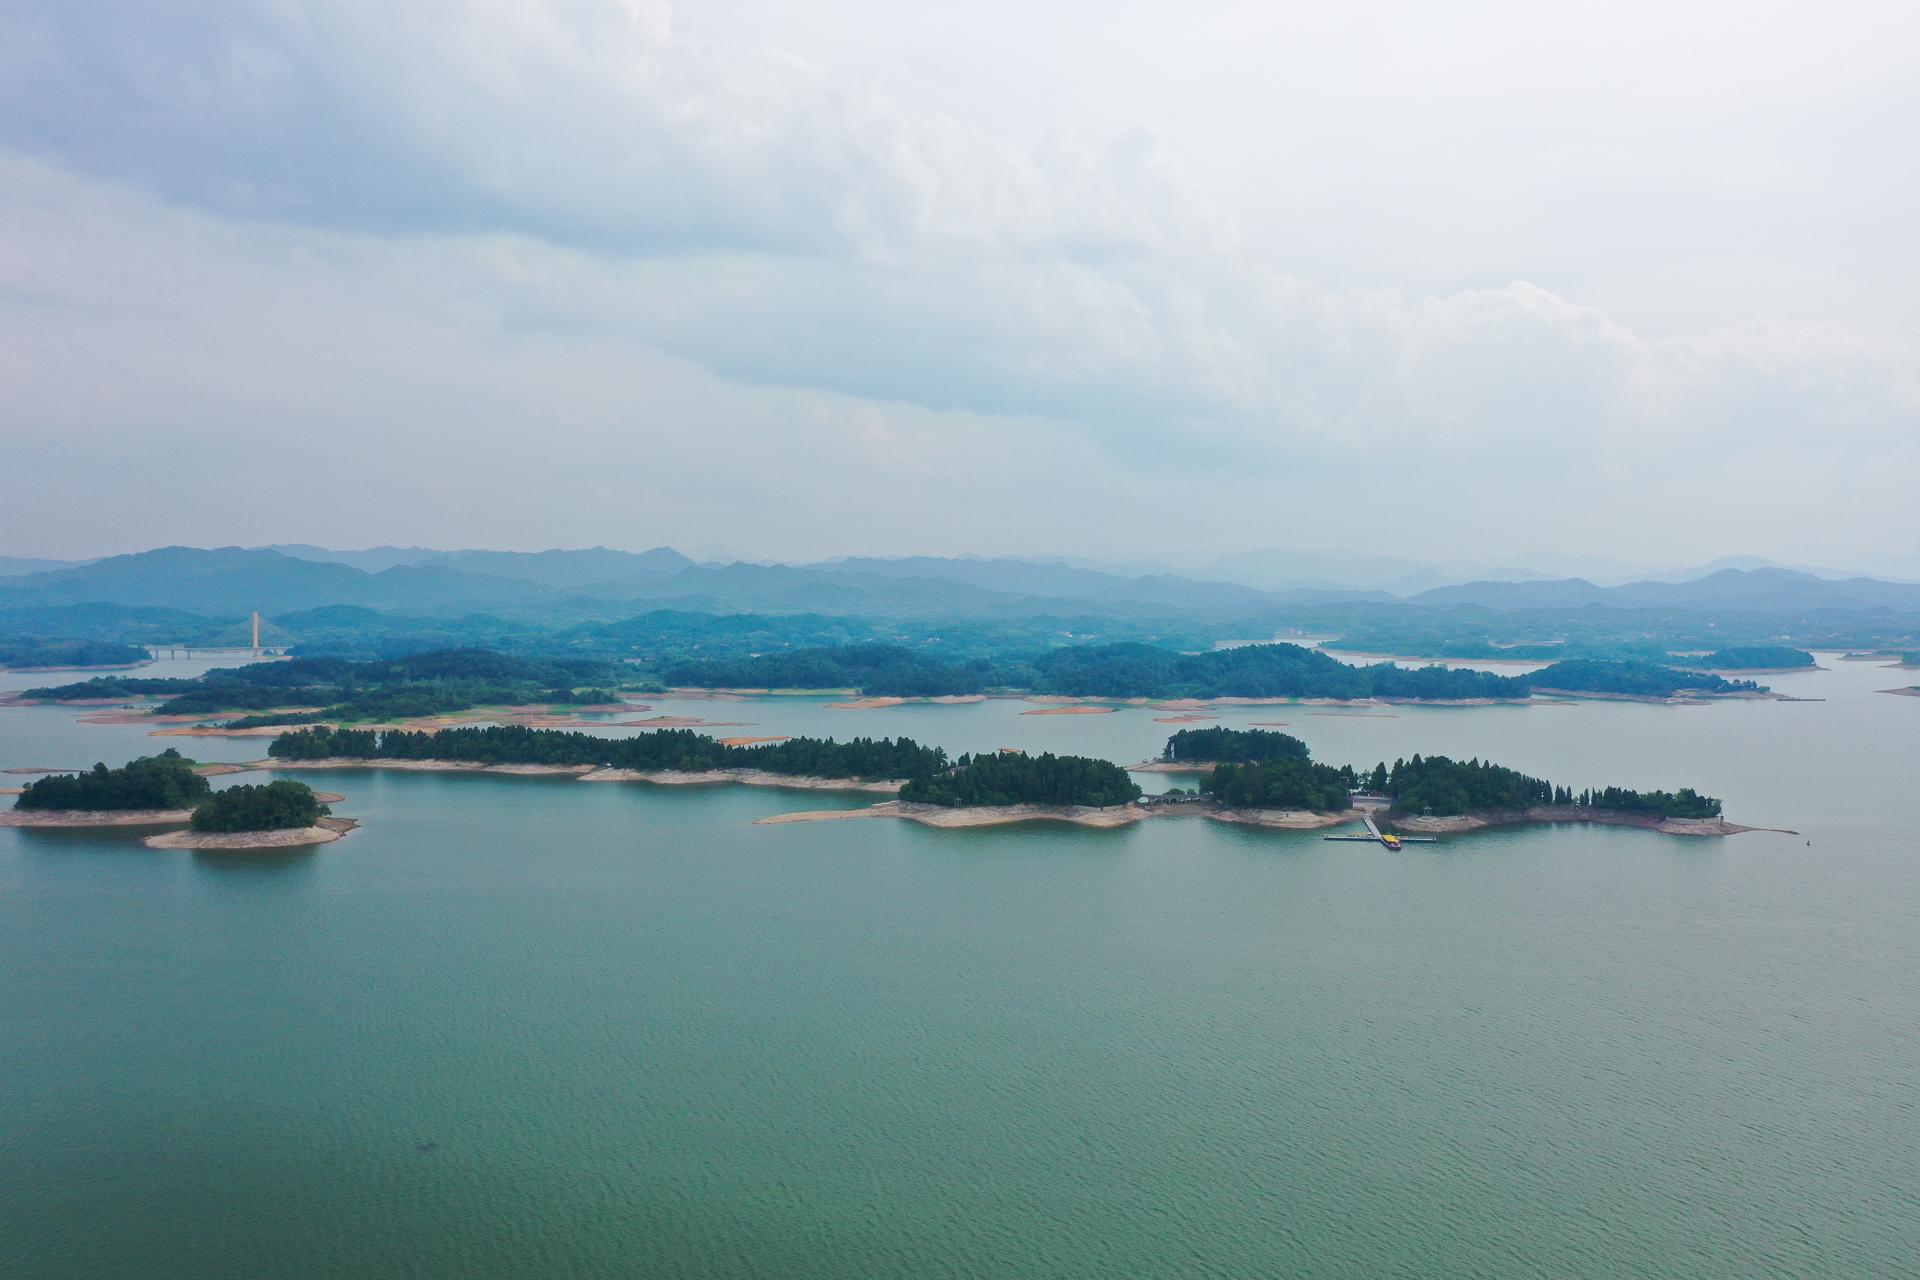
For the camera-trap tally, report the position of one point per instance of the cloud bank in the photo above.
(518, 274)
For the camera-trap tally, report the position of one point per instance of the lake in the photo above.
(522, 1026)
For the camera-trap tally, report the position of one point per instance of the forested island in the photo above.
(664, 750)
(165, 790)
(1231, 746)
(165, 782)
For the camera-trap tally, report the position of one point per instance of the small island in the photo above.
(160, 790)
(277, 815)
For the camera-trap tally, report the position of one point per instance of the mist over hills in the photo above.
(600, 583)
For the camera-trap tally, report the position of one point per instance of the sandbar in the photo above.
(1187, 718)
(1079, 709)
(1903, 693)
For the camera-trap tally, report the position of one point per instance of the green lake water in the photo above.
(529, 1027)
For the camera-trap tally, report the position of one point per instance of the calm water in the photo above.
(522, 1027)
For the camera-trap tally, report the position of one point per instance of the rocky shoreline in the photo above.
(326, 832)
(1275, 819)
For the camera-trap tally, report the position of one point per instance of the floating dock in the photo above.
(1385, 839)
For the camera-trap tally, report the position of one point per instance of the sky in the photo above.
(1125, 280)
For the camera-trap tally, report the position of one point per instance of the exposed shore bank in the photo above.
(1278, 819)
(95, 817)
(326, 832)
(933, 815)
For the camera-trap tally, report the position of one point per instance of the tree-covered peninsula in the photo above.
(165, 781)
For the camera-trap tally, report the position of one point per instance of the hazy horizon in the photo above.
(1623, 283)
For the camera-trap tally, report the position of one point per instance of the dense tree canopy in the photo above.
(1014, 778)
(1222, 745)
(1280, 783)
(664, 749)
(1638, 679)
(39, 651)
(1440, 785)
(165, 781)
(884, 669)
(277, 806)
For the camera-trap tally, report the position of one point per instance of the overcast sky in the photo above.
(858, 276)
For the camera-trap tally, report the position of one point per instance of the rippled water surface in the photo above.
(519, 1027)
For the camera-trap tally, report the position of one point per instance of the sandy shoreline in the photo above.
(329, 830)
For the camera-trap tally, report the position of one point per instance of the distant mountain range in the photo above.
(599, 583)
(1747, 590)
